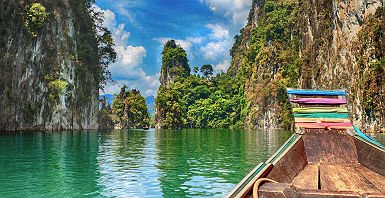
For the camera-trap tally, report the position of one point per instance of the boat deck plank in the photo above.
(325, 163)
(307, 178)
(345, 178)
(373, 177)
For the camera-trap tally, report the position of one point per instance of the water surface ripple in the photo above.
(132, 163)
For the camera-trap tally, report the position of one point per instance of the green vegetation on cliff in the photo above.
(304, 44)
(270, 63)
(267, 61)
(35, 15)
(311, 45)
(174, 62)
(191, 101)
(94, 45)
(371, 63)
(54, 57)
(198, 102)
(129, 110)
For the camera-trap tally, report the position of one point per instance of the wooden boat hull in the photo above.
(320, 163)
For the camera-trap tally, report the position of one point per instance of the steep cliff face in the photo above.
(338, 45)
(266, 56)
(167, 107)
(174, 63)
(335, 38)
(47, 82)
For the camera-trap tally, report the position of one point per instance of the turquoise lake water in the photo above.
(133, 163)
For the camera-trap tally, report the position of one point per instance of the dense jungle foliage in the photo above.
(237, 99)
(128, 110)
(95, 44)
(270, 62)
(194, 101)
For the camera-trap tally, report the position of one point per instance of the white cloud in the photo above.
(235, 10)
(109, 17)
(148, 85)
(128, 60)
(119, 35)
(218, 32)
(213, 47)
(211, 50)
(185, 44)
(220, 43)
(222, 67)
(111, 88)
(128, 57)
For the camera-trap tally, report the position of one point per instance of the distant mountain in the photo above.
(150, 100)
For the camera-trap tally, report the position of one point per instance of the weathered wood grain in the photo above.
(287, 167)
(344, 178)
(273, 190)
(329, 147)
(370, 157)
(307, 178)
(326, 163)
(373, 177)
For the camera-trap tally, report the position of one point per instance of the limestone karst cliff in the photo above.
(326, 44)
(174, 64)
(51, 64)
(199, 100)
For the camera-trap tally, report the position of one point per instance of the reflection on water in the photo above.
(132, 163)
(210, 162)
(127, 163)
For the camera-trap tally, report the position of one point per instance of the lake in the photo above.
(133, 163)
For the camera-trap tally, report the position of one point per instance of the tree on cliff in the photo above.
(266, 57)
(207, 70)
(129, 109)
(105, 114)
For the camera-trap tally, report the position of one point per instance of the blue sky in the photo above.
(204, 28)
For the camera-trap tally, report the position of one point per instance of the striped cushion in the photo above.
(320, 109)
(318, 101)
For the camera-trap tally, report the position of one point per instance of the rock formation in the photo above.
(50, 71)
(174, 64)
(339, 44)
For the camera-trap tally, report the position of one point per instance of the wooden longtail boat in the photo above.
(326, 156)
